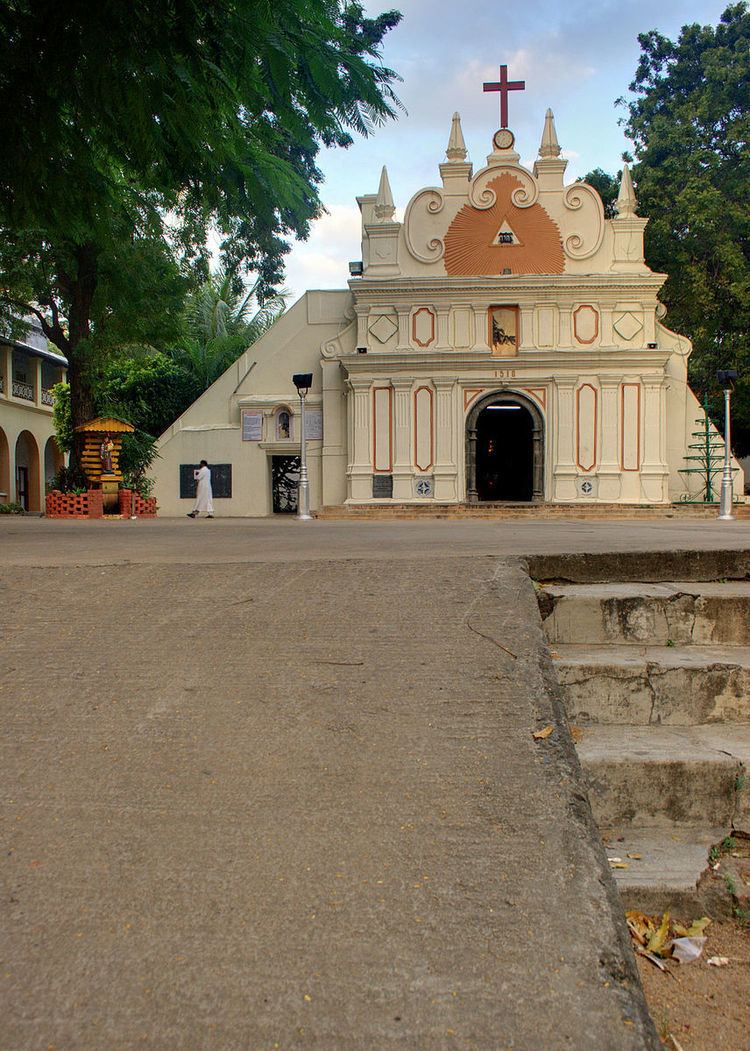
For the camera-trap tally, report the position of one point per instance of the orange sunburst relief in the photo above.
(474, 243)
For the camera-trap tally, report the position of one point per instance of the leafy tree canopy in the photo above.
(222, 320)
(689, 121)
(134, 131)
(607, 186)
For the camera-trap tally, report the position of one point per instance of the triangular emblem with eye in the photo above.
(506, 235)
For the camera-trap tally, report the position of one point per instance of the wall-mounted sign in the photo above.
(314, 424)
(252, 426)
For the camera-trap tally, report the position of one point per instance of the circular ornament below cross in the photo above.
(504, 139)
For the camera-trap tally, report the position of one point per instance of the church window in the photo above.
(283, 425)
(503, 331)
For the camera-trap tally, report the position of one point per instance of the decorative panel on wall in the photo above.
(586, 323)
(423, 429)
(630, 454)
(382, 429)
(586, 426)
(423, 327)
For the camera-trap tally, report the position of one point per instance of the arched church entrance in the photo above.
(505, 449)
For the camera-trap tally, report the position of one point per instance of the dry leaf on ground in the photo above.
(541, 735)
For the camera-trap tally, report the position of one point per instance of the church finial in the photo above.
(626, 200)
(549, 146)
(456, 150)
(384, 206)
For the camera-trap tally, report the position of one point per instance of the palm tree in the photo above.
(223, 319)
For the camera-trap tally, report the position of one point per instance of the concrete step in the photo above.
(660, 776)
(684, 613)
(430, 509)
(666, 869)
(654, 685)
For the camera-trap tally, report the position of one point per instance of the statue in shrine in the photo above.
(106, 451)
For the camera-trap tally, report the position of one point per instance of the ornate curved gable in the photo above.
(473, 242)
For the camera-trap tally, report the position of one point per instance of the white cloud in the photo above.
(322, 261)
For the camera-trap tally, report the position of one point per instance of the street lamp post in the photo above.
(726, 378)
(303, 381)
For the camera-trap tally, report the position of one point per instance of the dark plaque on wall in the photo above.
(382, 485)
(221, 480)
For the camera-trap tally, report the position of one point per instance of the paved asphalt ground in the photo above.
(272, 785)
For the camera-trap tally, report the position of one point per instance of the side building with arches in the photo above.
(29, 456)
(503, 343)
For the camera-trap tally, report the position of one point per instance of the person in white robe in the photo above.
(204, 497)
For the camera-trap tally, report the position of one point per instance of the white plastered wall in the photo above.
(261, 381)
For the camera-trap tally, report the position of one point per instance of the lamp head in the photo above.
(302, 381)
(727, 378)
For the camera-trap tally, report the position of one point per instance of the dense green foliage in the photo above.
(135, 130)
(221, 322)
(689, 120)
(607, 186)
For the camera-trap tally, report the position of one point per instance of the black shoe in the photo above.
(209, 516)
(191, 514)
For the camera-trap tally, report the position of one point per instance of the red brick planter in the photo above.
(141, 508)
(73, 505)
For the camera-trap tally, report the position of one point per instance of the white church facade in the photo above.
(503, 343)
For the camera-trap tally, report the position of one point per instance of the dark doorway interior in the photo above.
(505, 456)
(284, 482)
(22, 487)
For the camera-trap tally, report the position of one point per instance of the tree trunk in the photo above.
(79, 349)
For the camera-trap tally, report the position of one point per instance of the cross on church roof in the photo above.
(504, 86)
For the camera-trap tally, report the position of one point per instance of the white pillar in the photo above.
(402, 314)
(333, 460)
(443, 313)
(37, 362)
(402, 469)
(565, 469)
(446, 467)
(609, 461)
(654, 471)
(481, 330)
(360, 469)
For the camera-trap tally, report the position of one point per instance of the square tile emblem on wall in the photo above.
(586, 487)
(423, 486)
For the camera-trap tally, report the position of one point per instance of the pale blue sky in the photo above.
(576, 57)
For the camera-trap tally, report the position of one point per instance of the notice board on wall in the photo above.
(221, 480)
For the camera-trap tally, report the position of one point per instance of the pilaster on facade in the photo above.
(362, 311)
(481, 330)
(609, 460)
(402, 313)
(654, 471)
(360, 469)
(443, 316)
(446, 458)
(565, 469)
(402, 425)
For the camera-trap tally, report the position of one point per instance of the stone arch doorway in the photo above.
(27, 472)
(505, 449)
(5, 494)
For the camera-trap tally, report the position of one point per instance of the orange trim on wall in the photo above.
(470, 395)
(422, 310)
(389, 468)
(417, 464)
(578, 427)
(587, 306)
(540, 393)
(637, 427)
